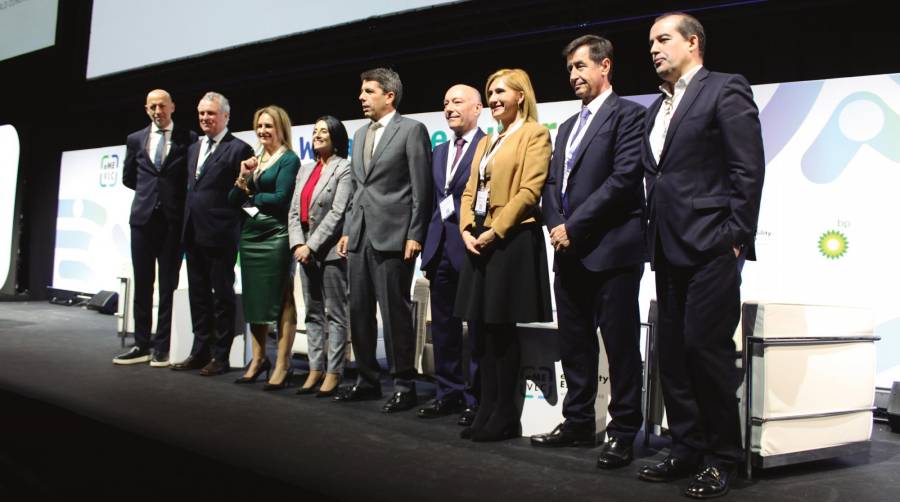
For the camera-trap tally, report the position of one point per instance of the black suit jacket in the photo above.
(449, 230)
(207, 213)
(703, 196)
(152, 186)
(605, 193)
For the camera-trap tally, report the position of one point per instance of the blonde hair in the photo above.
(282, 123)
(517, 80)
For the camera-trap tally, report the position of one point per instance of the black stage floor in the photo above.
(71, 423)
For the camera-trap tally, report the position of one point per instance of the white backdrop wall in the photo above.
(825, 230)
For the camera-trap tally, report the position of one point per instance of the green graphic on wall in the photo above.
(833, 244)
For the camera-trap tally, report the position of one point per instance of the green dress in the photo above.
(265, 254)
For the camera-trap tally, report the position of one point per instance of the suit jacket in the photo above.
(517, 174)
(327, 208)
(703, 196)
(392, 201)
(152, 186)
(207, 213)
(605, 189)
(449, 229)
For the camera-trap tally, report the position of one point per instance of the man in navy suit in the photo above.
(156, 169)
(443, 254)
(211, 233)
(704, 169)
(593, 204)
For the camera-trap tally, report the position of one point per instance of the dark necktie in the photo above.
(210, 143)
(160, 153)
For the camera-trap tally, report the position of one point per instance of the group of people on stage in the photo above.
(678, 183)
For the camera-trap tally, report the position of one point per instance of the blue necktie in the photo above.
(585, 113)
(160, 149)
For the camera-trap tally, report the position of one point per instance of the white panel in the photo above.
(26, 26)
(9, 172)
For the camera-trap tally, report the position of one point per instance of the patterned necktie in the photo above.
(209, 146)
(570, 161)
(160, 153)
(460, 142)
(369, 145)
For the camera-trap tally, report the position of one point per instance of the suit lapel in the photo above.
(649, 120)
(439, 165)
(690, 96)
(220, 148)
(603, 114)
(389, 131)
(326, 174)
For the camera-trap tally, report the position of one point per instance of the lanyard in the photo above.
(495, 147)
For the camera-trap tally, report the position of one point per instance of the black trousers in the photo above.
(586, 300)
(385, 278)
(447, 339)
(211, 293)
(699, 309)
(156, 242)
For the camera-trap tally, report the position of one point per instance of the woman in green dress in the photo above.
(264, 190)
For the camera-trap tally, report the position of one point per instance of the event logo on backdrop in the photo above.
(825, 232)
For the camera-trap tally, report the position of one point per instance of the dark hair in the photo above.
(389, 81)
(338, 134)
(688, 27)
(599, 47)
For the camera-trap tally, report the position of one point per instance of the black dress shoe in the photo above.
(709, 483)
(562, 436)
(439, 408)
(326, 393)
(357, 393)
(615, 453)
(214, 367)
(670, 469)
(467, 416)
(191, 363)
(488, 433)
(400, 401)
(135, 355)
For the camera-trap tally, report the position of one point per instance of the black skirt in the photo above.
(507, 283)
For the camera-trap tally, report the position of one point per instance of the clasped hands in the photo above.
(559, 238)
(475, 246)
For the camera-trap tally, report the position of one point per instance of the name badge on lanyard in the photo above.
(447, 207)
(483, 194)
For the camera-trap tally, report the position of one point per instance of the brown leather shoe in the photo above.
(191, 363)
(215, 367)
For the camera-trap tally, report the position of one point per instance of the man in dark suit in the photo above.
(443, 255)
(593, 206)
(704, 168)
(156, 169)
(211, 233)
(383, 233)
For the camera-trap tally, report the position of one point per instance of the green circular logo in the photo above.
(833, 244)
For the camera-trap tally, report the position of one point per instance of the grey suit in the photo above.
(324, 278)
(391, 204)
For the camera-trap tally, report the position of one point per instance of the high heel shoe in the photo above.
(266, 366)
(330, 378)
(284, 383)
(313, 380)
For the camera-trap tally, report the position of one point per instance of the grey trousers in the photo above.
(325, 295)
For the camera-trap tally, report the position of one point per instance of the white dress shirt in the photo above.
(204, 144)
(380, 131)
(664, 116)
(154, 140)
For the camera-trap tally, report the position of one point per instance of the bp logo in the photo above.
(833, 244)
(109, 170)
